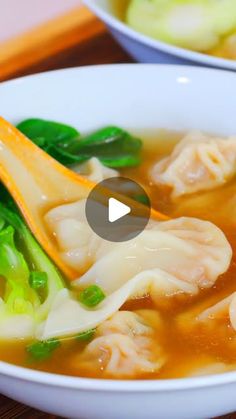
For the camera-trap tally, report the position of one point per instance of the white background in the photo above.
(17, 16)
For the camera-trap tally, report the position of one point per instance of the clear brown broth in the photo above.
(185, 346)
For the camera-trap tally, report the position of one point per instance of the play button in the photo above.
(118, 209)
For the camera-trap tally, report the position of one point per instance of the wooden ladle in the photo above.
(37, 182)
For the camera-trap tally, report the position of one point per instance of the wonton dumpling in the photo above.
(75, 238)
(212, 368)
(121, 355)
(224, 308)
(125, 322)
(198, 250)
(183, 254)
(206, 365)
(178, 256)
(95, 171)
(198, 163)
(123, 345)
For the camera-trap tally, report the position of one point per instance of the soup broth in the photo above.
(188, 348)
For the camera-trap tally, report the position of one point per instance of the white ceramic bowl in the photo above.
(136, 97)
(147, 50)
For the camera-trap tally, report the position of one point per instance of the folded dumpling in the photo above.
(224, 309)
(94, 170)
(124, 345)
(171, 257)
(183, 254)
(186, 249)
(126, 323)
(198, 163)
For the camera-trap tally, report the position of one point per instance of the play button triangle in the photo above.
(113, 218)
(117, 210)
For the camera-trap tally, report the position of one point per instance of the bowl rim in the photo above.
(197, 57)
(110, 385)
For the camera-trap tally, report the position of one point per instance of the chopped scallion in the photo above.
(85, 336)
(92, 296)
(40, 351)
(143, 199)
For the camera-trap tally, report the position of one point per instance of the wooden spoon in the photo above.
(37, 182)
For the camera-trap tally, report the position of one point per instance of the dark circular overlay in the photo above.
(124, 192)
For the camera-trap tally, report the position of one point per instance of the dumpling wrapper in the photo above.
(198, 163)
(68, 317)
(95, 171)
(191, 250)
(178, 256)
(227, 306)
(123, 346)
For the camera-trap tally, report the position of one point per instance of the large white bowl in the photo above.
(147, 50)
(136, 97)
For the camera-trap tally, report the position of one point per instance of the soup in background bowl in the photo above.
(173, 329)
(209, 28)
(135, 27)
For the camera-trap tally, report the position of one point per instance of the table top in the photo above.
(99, 49)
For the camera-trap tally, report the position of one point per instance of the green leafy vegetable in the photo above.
(92, 296)
(19, 297)
(47, 133)
(38, 280)
(41, 351)
(143, 199)
(113, 146)
(2, 223)
(17, 266)
(85, 336)
(52, 137)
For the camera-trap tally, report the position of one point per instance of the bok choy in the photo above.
(113, 146)
(23, 306)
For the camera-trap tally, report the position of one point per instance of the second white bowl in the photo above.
(147, 50)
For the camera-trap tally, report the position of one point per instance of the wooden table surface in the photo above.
(99, 49)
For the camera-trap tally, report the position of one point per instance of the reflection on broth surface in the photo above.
(198, 347)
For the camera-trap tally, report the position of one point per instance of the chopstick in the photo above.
(62, 33)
